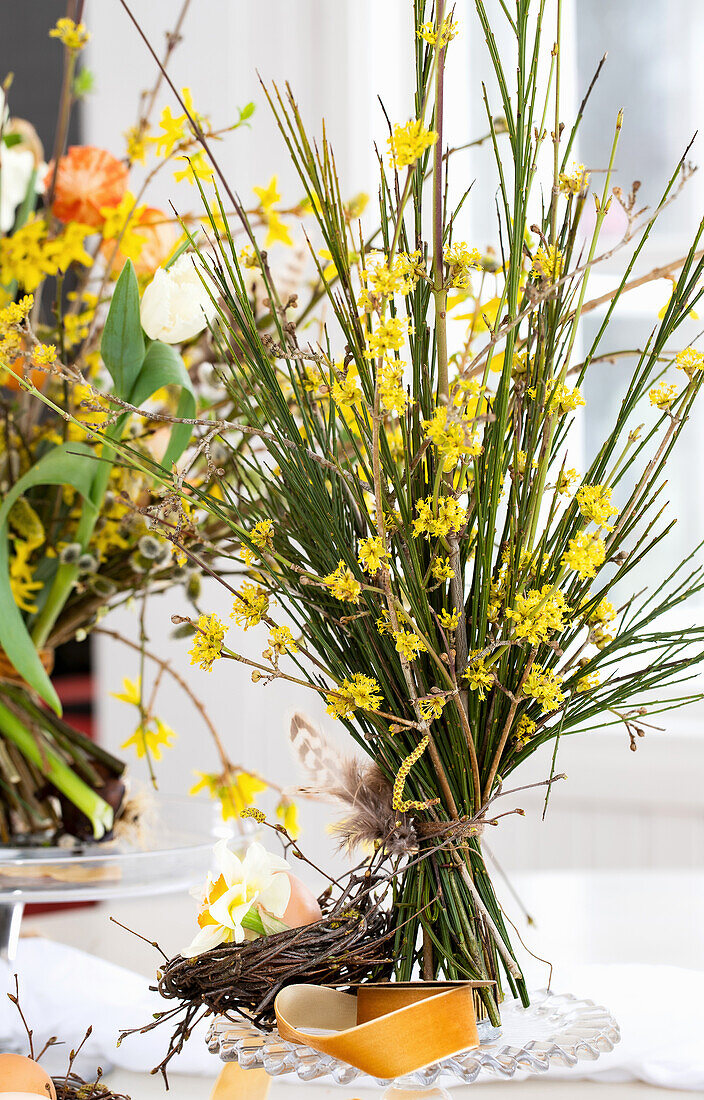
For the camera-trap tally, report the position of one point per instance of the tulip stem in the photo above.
(66, 574)
(83, 797)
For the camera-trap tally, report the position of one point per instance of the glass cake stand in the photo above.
(174, 855)
(557, 1029)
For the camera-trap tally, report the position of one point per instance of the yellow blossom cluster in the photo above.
(388, 336)
(277, 230)
(251, 604)
(207, 641)
(522, 461)
(563, 399)
(30, 254)
(479, 677)
(234, 792)
(262, 534)
(22, 583)
(594, 503)
(565, 480)
(137, 144)
(358, 692)
(372, 554)
(599, 620)
(150, 737)
(73, 35)
(690, 361)
(662, 396)
(12, 317)
(409, 142)
(449, 619)
(382, 280)
(392, 392)
(44, 355)
(441, 570)
(195, 167)
(438, 518)
(538, 613)
(548, 264)
(431, 707)
(281, 641)
(465, 392)
(343, 584)
(574, 182)
(452, 438)
(461, 261)
(121, 223)
(27, 535)
(345, 389)
(448, 31)
(585, 555)
(408, 644)
(525, 730)
(588, 682)
(176, 135)
(545, 687)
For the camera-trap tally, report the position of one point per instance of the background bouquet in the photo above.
(77, 532)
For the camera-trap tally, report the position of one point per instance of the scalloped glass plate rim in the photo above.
(558, 1029)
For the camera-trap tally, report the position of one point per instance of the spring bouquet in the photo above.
(415, 541)
(77, 533)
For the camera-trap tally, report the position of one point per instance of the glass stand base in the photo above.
(395, 1092)
(10, 923)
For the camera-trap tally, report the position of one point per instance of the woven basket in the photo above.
(10, 675)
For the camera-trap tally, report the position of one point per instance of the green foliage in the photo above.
(163, 366)
(67, 465)
(353, 469)
(122, 346)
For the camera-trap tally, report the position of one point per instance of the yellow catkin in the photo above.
(400, 781)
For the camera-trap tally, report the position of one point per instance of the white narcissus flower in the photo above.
(249, 891)
(176, 306)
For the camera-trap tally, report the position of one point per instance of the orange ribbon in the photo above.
(384, 1031)
(388, 1030)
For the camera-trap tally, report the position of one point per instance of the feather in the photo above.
(361, 787)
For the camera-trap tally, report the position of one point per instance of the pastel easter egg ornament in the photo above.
(21, 1077)
(302, 905)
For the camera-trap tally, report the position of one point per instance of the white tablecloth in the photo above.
(660, 1010)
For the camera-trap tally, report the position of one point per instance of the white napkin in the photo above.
(660, 1010)
(63, 991)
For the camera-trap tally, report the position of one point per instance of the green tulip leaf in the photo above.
(163, 366)
(122, 345)
(73, 465)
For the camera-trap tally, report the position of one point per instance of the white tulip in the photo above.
(176, 305)
(16, 167)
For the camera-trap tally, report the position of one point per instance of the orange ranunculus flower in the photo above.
(21, 368)
(159, 238)
(88, 178)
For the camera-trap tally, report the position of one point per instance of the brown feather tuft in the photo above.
(362, 788)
